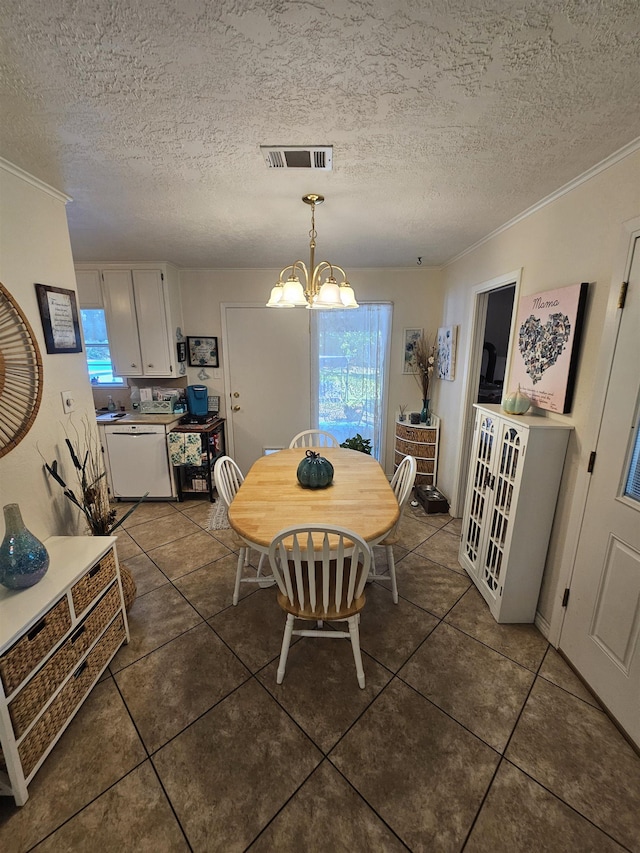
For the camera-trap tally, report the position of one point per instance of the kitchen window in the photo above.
(96, 345)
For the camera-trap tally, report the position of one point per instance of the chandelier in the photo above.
(292, 293)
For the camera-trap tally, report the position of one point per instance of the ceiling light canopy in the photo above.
(291, 293)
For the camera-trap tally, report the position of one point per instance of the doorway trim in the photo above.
(479, 302)
(613, 316)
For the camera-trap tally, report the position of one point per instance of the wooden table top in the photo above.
(360, 497)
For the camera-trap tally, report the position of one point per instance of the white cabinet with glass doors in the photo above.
(514, 476)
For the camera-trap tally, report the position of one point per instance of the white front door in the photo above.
(267, 359)
(601, 630)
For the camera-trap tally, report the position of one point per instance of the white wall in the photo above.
(34, 247)
(417, 302)
(575, 238)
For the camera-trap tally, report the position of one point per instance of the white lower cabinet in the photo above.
(514, 476)
(56, 639)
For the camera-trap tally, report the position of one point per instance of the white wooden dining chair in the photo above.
(228, 479)
(314, 438)
(321, 572)
(401, 483)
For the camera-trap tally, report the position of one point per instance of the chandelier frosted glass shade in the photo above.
(291, 293)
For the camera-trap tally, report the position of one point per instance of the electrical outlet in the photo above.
(68, 402)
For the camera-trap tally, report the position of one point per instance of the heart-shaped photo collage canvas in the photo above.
(546, 350)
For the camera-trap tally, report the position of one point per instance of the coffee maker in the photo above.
(197, 405)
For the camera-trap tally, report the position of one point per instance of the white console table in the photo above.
(56, 639)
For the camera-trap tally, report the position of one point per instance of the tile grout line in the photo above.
(502, 756)
(150, 760)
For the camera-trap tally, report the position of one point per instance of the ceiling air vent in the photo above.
(298, 156)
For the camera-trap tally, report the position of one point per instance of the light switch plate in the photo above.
(68, 403)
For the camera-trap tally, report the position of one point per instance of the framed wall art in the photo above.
(410, 337)
(203, 352)
(59, 315)
(547, 345)
(446, 345)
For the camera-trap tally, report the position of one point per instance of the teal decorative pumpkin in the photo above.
(314, 471)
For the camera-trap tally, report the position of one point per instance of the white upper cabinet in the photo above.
(142, 309)
(89, 290)
(122, 324)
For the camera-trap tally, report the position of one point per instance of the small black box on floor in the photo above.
(431, 499)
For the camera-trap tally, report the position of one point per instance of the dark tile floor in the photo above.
(468, 736)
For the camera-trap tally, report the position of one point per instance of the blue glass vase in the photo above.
(23, 558)
(424, 414)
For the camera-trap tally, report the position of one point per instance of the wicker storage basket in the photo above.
(21, 658)
(419, 435)
(411, 448)
(27, 704)
(423, 466)
(90, 584)
(129, 588)
(52, 721)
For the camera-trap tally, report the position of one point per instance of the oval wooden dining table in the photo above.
(270, 499)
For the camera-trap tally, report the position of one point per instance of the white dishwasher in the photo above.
(139, 460)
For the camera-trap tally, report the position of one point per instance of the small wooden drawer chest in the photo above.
(420, 441)
(56, 638)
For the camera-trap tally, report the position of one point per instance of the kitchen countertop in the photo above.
(168, 419)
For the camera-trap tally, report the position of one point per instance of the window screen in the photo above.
(632, 489)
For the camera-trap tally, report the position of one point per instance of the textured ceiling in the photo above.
(448, 118)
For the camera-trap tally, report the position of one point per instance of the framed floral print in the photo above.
(203, 352)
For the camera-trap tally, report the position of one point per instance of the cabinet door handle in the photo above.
(149, 365)
(235, 408)
(133, 365)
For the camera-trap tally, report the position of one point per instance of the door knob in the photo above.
(235, 408)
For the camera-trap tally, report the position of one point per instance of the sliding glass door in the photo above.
(350, 361)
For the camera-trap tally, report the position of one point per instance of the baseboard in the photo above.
(542, 625)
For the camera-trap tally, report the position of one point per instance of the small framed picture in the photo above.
(410, 338)
(59, 315)
(446, 363)
(203, 352)
(181, 347)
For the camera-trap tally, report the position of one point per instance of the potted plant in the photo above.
(92, 498)
(357, 442)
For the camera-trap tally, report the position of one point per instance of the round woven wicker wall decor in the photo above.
(20, 374)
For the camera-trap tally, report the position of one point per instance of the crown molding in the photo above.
(616, 157)
(35, 182)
